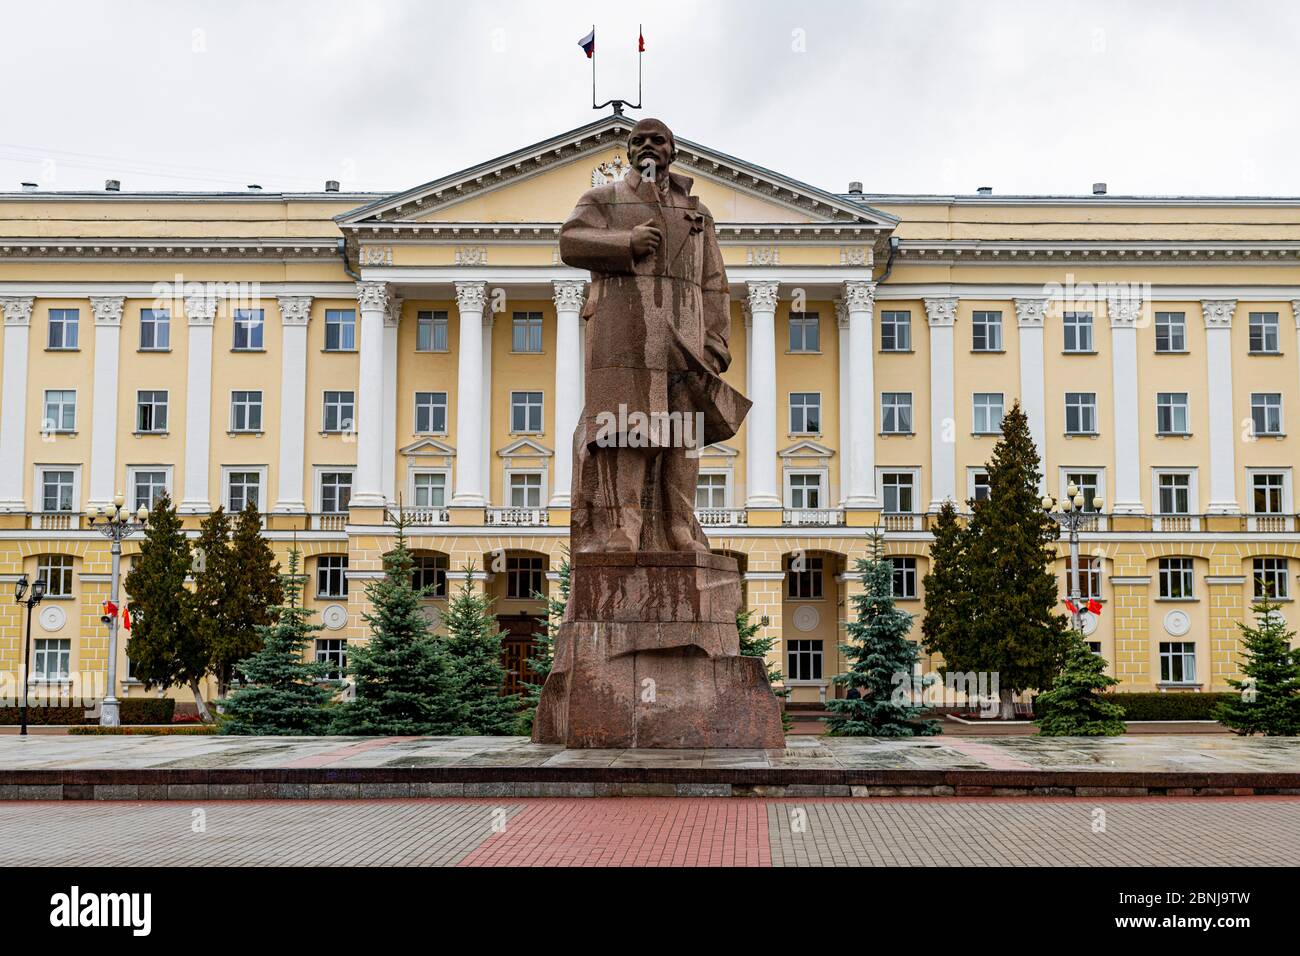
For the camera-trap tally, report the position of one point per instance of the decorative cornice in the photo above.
(393, 315)
(569, 295)
(201, 309)
(373, 296)
(1062, 252)
(1218, 312)
(1124, 311)
(941, 312)
(107, 309)
(152, 250)
(762, 295)
(471, 296)
(18, 309)
(859, 295)
(729, 234)
(1030, 313)
(295, 310)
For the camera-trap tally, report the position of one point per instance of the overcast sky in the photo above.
(1151, 97)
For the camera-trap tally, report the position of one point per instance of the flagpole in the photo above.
(639, 54)
(593, 67)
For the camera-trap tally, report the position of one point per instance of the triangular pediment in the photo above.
(806, 449)
(525, 448)
(540, 183)
(427, 447)
(718, 450)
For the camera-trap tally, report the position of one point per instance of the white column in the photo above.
(13, 401)
(471, 297)
(295, 317)
(200, 310)
(941, 313)
(107, 310)
(568, 385)
(486, 424)
(842, 326)
(368, 485)
(859, 300)
(761, 444)
(1124, 312)
(388, 476)
(1218, 360)
(1029, 315)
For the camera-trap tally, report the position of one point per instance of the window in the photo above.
(898, 492)
(335, 491)
(333, 651)
(340, 410)
(524, 576)
(1088, 483)
(896, 413)
(250, 324)
(1171, 413)
(431, 332)
(56, 571)
(988, 413)
(1267, 489)
(60, 410)
(1171, 332)
(896, 331)
(1095, 647)
(526, 332)
(1264, 332)
(525, 489)
(1174, 493)
(805, 413)
(986, 332)
(429, 571)
(332, 576)
(63, 328)
(51, 660)
(147, 487)
(1089, 577)
(1271, 578)
(904, 577)
(805, 490)
(805, 332)
(430, 489)
(1078, 331)
(804, 660)
(155, 330)
(340, 330)
(1080, 413)
(246, 411)
(526, 412)
(980, 488)
(1176, 579)
(431, 413)
(1266, 412)
(151, 411)
(1177, 662)
(245, 488)
(804, 578)
(711, 491)
(56, 490)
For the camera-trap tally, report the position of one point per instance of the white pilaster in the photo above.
(1029, 316)
(568, 385)
(107, 311)
(13, 400)
(295, 317)
(489, 320)
(941, 313)
(859, 301)
(842, 326)
(1218, 359)
(200, 311)
(368, 484)
(1124, 312)
(388, 476)
(761, 442)
(471, 298)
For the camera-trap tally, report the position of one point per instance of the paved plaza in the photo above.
(1259, 831)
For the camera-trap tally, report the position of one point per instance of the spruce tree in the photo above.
(883, 660)
(252, 592)
(947, 589)
(473, 646)
(284, 694)
(542, 657)
(753, 643)
(1269, 698)
(403, 684)
(212, 570)
(168, 646)
(1073, 705)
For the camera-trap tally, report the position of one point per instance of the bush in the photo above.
(147, 710)
(1156, 706)
(132, 710)
(95, 730)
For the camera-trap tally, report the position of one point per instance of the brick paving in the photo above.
(1260, 831)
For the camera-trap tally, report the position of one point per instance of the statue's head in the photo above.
(651, 148)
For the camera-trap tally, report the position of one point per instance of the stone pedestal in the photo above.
(648, 656)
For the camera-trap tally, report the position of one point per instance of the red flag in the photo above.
(126, 618)
(640, 42)
(1094, 605)
(110, 609)
(1069, 606)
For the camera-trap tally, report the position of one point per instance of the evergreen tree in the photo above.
(251, 592)
(284, 693)
(403, 684)
(1269, 699)
(754, 644)
(883, 660)
(1073, 706)
(947, 589)
(473, 646)
(542, 657)
(212, 569)
(168, 647)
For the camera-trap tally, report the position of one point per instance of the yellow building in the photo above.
(328, 355)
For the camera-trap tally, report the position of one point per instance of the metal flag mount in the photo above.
(618, 105)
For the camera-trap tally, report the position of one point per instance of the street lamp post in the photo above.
(1069, 513)
(31, 600)
(114, 523)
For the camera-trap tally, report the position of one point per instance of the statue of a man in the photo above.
(658, 317)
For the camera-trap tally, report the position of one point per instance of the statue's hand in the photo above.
(645, 239)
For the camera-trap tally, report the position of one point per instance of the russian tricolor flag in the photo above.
(588, 43)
